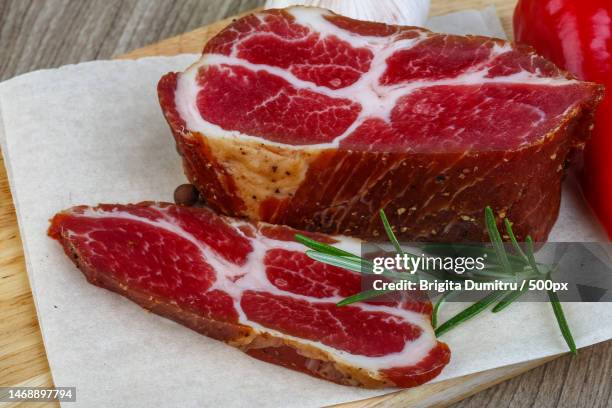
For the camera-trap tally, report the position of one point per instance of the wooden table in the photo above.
(48, 33)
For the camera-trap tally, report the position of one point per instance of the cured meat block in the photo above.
(313, 120)
(253, 287)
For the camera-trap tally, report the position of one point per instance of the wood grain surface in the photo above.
(48, 33)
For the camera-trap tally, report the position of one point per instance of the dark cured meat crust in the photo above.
(199, 163)
(427, 197)
(289, 354)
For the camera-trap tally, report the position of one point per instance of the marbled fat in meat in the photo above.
(248, 285)
(306, 118)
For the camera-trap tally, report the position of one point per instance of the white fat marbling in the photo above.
(375, 100)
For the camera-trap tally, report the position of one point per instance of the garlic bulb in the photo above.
(403, 12)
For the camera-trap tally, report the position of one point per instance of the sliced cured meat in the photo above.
(306, 118)
(252, 287)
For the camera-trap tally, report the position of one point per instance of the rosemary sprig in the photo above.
(436, 309)
(521, 265)
(321, 247)
(358, 265)
(389, 231)
(510, 298)
(468, 313)
(529, 258)
(352, 264)
(531, 254)
(515, 244)
(560, 316)
(362, 296)
(554, 302)
(502, 257)
(496, 240)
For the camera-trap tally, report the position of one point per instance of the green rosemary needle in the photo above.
(469, 312)
(496, 240)
(389, 232)
(362, 296)
(522, 265)
(321, 247)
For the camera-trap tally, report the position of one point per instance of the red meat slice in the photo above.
(238, 283)
(313, 120)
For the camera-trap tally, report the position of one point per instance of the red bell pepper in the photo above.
(577, 36)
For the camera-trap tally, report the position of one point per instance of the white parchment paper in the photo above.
(94, 132)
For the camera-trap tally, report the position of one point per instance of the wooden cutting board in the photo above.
(22, 355)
